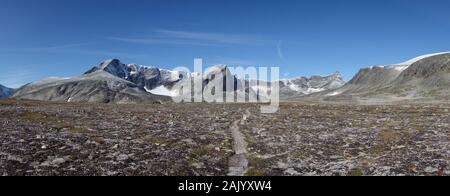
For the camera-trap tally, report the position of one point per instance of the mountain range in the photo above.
(112, 81)
(423, 78)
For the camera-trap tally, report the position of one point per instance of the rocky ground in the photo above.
(42, 138)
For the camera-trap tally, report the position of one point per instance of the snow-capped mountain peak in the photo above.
(160, 81)
(304, 86)
(145, 77)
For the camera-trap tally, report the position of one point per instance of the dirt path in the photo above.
(238, 163)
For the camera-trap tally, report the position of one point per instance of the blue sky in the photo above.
(44, 38)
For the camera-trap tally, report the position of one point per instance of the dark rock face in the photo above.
(147, 77)
(144, 77)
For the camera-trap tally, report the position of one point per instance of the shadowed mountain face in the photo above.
(5, 91)
(425, 78)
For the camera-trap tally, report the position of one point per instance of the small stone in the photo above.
(58, 161)
(122, 157)
(15, 158)
(291, 172)
(111, 173)
(281, 165)
(431, 170)
(198, 165)
(189, 141)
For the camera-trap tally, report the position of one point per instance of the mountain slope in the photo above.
(5, 91)
(423, 78)
(427, 78)
(143, 76)
(304, 86)
(99, 87)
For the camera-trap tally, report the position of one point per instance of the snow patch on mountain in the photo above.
(419, 58)
(405, 65)
(292, 86)
(171, 76)
(401, 68)
(162, 90)
(334, 93)
(314, 90)
(305, 86)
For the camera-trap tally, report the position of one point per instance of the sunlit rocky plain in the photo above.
(50, 138)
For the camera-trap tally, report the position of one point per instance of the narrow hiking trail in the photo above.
(238, 163)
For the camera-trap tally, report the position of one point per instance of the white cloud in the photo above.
(162, 41)
(164, 36)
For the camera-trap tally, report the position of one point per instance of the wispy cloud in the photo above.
(76, 48)
(56, 48)
(280, 50)
(106, 53)
(193, 38)
(210, 37)
(16, 79)
(161, 41)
